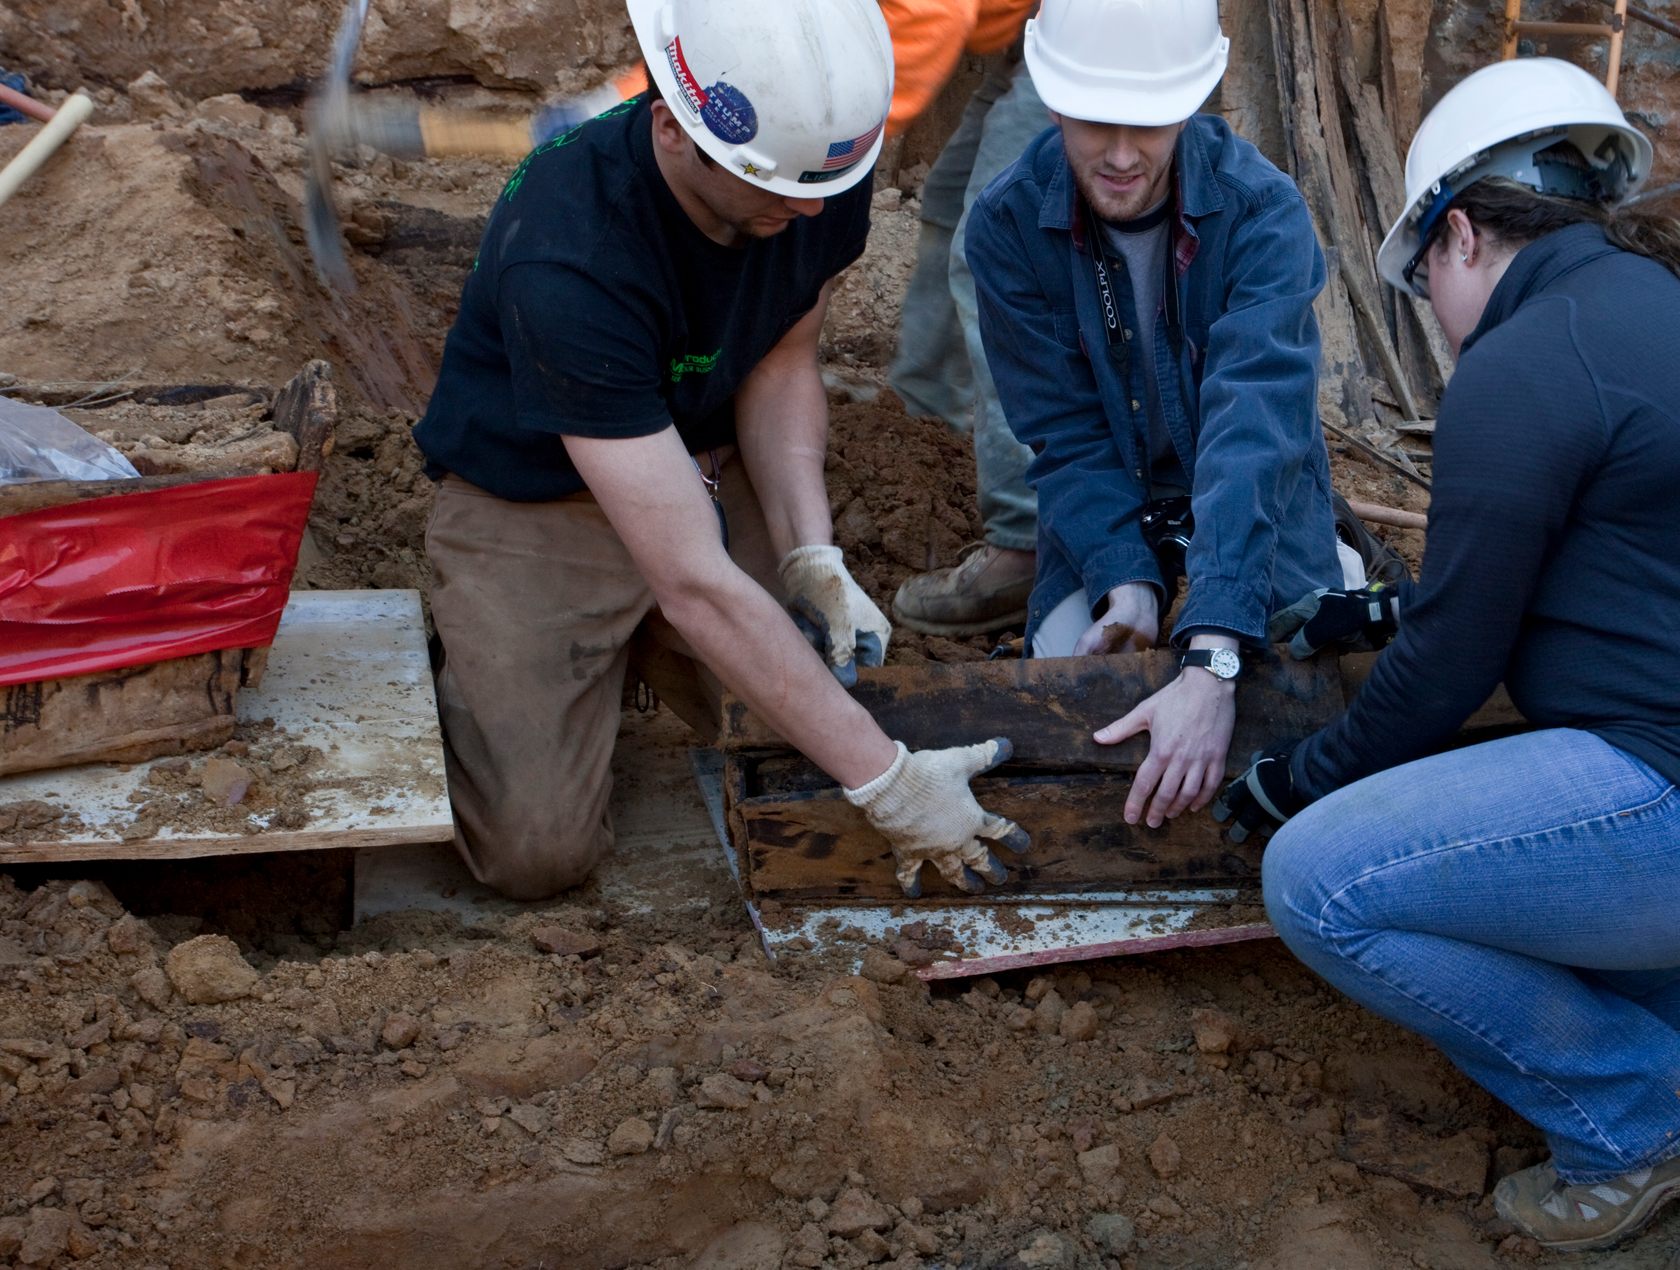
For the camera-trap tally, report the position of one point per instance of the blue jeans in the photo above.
(941, 367)
(1518, 903)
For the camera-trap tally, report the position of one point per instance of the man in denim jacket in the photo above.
(1146, 282)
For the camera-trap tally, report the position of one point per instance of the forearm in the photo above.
(782, 431)
(746, 639)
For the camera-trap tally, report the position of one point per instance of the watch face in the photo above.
(1225, 663)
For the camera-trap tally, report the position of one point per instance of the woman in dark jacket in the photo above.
(1518, 902)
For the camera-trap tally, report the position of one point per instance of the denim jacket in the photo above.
(1243, 418)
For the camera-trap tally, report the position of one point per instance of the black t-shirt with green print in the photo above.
(596, 308)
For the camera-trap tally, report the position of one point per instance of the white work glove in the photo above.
(841, 622)
(923, 806)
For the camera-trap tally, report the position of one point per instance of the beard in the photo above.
(1119, 206)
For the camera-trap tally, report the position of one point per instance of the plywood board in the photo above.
(348, 675)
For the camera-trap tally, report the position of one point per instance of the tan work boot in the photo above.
(986, 591)
(1590, 1215)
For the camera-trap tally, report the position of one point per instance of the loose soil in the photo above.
(608, 1079)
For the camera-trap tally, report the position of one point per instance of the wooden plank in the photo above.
(819, 847)
(122, 716)
(33, 496)
(307, 408)
(347, 675)
(1048, 708)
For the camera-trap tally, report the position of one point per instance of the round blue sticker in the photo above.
(729, 114)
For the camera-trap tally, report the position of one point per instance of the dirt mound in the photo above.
(425, 1094)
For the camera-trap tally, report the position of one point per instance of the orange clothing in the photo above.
(928, 38)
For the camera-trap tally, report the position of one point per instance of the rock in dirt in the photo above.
(209, 969)
(1215, 1031)
(400, 1031)
(1047, 1250)
(225, 782)
(1047, 1017)
(565, 943)
(1165, 1157)
(47, 1237)
(128, 935)
(151, 985)
(633, 1137)
(1099, 1166)
(882, 967)
(723, 1091)
(1079, 1023)
(854, 1212)
(1112, 1232)
(583, 1151)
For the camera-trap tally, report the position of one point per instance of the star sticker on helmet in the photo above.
(749, 168)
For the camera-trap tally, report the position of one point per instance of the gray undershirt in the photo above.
(1145, 255)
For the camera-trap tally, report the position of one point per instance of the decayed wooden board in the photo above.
(819, 847)
(1049, 708)
(800, 841)
(124, 716)
(348, 675)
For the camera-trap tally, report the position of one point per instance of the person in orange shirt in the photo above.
(941, 367)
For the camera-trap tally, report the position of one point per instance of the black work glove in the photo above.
(1366, 619)
(1262, 798)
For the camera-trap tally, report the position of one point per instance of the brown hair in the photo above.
(1515, 215)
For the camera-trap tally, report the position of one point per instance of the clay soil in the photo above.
(619, 1077)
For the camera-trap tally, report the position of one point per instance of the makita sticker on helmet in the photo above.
(688, 88)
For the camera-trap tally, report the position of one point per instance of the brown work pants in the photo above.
(541, 613)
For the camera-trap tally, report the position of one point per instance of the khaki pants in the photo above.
(541, 613)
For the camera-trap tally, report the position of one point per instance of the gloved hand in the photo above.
(832, 611)
(1337, 617)
(923, 806)
(1262, 798)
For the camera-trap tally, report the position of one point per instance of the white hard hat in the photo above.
(791, 95)
(1146, 63)
(1500, 121)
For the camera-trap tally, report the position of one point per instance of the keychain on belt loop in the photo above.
(714, 484)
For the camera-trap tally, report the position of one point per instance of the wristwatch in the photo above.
(1221, 663)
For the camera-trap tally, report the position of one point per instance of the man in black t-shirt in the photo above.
(630, 429)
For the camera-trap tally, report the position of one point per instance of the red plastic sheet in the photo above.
(138, 578)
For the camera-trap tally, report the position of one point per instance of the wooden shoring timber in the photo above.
(818, 847)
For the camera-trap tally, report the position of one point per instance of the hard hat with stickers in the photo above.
(791, 96)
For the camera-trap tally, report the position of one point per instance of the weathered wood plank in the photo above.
(819, 847)
(307, 408)
(33, 496)
(123, 716)
(1049, 708)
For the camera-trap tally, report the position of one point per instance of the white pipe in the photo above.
(76, 108)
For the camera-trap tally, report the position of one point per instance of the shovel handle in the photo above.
(25, 104)
(70, 116)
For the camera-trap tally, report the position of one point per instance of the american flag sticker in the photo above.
(842, 154)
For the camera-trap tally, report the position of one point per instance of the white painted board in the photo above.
(348, 674)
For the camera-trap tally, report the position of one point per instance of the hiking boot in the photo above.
(1591, 1215)
(986, 591)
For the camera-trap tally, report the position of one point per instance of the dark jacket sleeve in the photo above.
(1259, 416)
(1512, 450)
(1089, 497)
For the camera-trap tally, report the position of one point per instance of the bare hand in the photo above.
(1130, 624)
(1189, 724)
